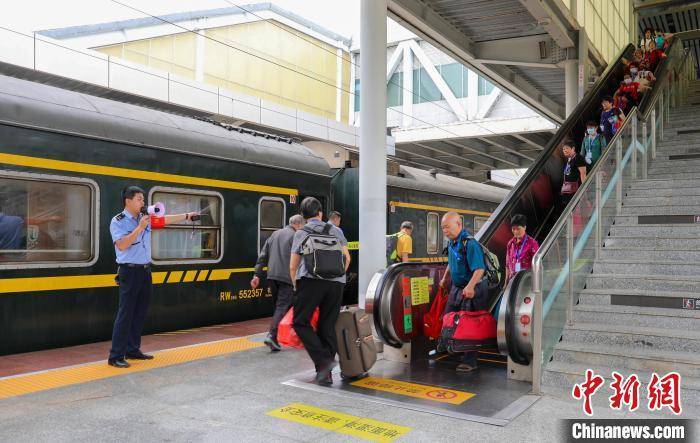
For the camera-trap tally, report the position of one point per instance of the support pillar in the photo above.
(571, 85)
(582, 63)
(372, 210)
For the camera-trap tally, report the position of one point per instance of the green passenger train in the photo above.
(64, 159)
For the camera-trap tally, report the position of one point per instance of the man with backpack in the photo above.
(466, 267)
(317, 267)
(400, 244)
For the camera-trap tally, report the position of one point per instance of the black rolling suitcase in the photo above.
(355, 343)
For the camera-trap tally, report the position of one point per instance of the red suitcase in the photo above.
(465, 331)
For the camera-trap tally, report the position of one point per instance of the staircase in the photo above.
(630, 316)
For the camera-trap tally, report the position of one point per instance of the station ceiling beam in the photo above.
(428, 24)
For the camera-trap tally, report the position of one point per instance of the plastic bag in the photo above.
(432, 320)
(287, 336)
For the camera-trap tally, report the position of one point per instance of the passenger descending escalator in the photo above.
(412, 373)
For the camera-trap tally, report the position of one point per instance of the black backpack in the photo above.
(322, 253)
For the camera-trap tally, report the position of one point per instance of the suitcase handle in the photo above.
(347, 344)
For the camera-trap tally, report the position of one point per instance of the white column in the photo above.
(570, 85)
(407, 68)
(582, 63)
(372, 212)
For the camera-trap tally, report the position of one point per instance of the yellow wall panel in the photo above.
(258, 59)
(113, 51)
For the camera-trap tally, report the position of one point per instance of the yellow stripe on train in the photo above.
(38, 284)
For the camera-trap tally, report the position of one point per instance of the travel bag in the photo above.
(465, 331)
(355, 343)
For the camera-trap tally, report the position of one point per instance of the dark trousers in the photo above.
(457, 302)
(135, 290)
(282, 300)
(327, 296)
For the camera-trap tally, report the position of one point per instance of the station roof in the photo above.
(500, 40)
(123, 25)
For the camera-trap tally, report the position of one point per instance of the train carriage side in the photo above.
(64, 159)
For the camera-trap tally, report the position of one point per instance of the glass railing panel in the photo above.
(554, 291)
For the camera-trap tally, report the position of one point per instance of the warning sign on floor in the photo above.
(433, 393)
(364, 428)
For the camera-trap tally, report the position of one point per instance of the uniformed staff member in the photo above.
(131, 234)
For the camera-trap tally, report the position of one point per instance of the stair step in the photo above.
(660, 210)
(662, 362)
(685, 283)
(650, 254)
(639, 316)
(681, 340)
(664, 183)
(605, 296)
(675, 175)
(680, 200)
(646, 266)
(653, 231)
(565, 375)
(687, 191)
(659, 243)
(673, 163)
(677, 168)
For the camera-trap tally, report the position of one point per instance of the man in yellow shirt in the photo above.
(404, 243)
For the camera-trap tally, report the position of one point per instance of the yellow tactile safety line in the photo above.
(61, 377)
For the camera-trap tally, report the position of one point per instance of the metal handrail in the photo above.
(563, 221)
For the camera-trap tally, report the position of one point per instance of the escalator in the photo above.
(410, 374)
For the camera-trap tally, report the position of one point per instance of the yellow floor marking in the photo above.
(364, 428)
(58, 378)
(415, 390)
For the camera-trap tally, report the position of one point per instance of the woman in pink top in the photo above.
(521, 248)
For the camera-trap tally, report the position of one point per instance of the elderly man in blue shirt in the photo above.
(469, 291)
(131, 235)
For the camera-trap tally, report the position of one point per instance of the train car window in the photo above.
(433, 225)
(479, 222)
(188, 241)
(271, 217)
(47, 221)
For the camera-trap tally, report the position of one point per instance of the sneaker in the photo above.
(272, 343)
(466, 367)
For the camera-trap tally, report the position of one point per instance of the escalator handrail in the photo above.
(505, 207)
